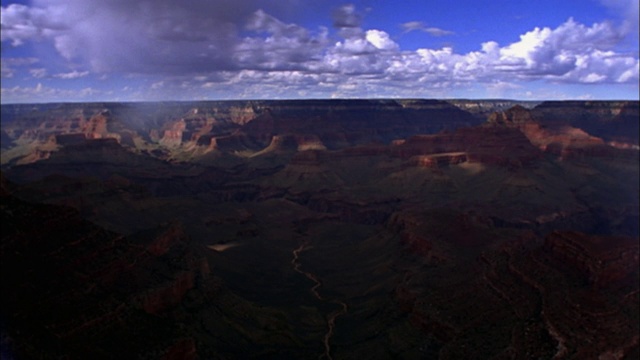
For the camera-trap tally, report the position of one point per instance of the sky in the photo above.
(157, 50)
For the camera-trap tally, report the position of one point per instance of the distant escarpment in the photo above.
(612, 121)
(603, 118)
(187, 131)
(483, 108)
(203, 131)
(342, 123)
(576, 129)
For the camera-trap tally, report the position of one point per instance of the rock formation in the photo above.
(399, 228)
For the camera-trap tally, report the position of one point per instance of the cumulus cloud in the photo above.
(275, 45)
(21, 23)
(627, 10)
(572, 52)
(242, 47)
(381, 40)
(161, 36)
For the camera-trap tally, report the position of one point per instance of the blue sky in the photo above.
(145, 50)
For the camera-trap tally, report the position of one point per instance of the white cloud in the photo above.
(571, 53)
(19, 23)
(38, 73)
(627, 10)
(42, 93)
(433, 31)
(412, 26)
(381, 40)
(9, 65)
(157, 85)
(278, 46)
(132, 36)
(71, 75)
(6, 71)
(592, 78)
(502, 89)
(420, 26)
(629, 75)
(236, 47)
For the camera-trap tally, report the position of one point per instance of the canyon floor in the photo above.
(320, 229)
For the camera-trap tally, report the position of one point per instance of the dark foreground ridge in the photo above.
(309, 229)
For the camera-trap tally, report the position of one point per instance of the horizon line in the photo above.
(315, 99)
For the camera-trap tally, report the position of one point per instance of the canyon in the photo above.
(335, 229)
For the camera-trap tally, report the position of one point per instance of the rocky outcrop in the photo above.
(309, 158)
(558, 136)
(485, 108)
(172, 135)
(70, 139)
(551, 298)
(183, 349)
(170, 294)
(96, 126)
(605, 260)
(484, 145)
(85, 280)
(436, 161)
(512, 117)
(366, 150)
(435, 234)
(107, 150)
(360, 213)
(236, 142)
(574, 274)
(250, 126)
(609, 120)
(241, 115)
(282, 143)
(357, 121)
